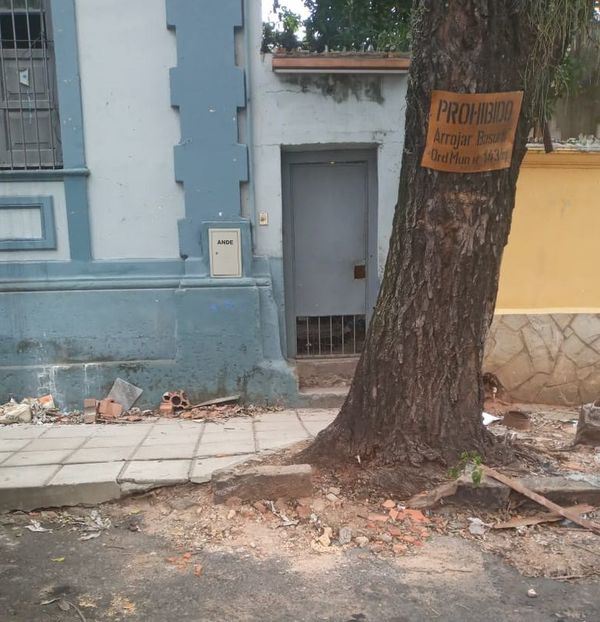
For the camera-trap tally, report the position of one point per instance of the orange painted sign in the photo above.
(471, 133)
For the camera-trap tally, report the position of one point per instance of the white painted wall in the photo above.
(54, 189)
(125, 52)
(283, 115)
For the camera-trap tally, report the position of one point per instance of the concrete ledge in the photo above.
(35, 497)
(267, 482)
(562, 490)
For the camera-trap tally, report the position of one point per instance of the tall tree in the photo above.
(417, 392)
(358, 24)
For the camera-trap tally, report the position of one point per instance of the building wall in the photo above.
(125, 53)
(56, 191)
(549, 261)
(149, 97)
(320, 111)
(544, 344)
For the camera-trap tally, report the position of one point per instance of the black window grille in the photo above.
(29, 124)
(330, 335)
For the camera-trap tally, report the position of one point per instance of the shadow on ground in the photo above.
(129, 575)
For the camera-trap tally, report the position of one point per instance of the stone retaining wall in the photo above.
(550, 358)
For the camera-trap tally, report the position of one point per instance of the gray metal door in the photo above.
(326, 226)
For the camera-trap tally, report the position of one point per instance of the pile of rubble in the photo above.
(118, 407)
(34, 410)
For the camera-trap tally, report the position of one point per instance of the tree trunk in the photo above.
(417, 393)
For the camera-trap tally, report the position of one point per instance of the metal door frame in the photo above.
(311, 155)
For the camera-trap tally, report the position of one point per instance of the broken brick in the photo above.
(166, 409)
(395, 531)
(109, 409)
(416, 516)
(389, 504)
(377, 518)
(90, 410)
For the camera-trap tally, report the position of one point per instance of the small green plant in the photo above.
(470, 459)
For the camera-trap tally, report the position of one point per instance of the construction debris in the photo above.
(433, 497)
(218, 401)
(550, 505)
(588, 426)
(477, 527)
(176, 400)
(124, 393)
(517, 420)
(543, 517)
(90, 410)
(12, 412)
(109, 409)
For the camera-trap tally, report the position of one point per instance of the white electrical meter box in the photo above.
(225, 252)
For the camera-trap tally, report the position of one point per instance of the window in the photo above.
(29, 126)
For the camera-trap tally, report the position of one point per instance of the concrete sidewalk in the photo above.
(55, 465)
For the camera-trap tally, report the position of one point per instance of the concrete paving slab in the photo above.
(101, 454)
(30, 458)
(227, 436)
(240, 424)
(272, 440)
(156, 472)
(114, 429)
(277, 426)
(244, 446)
(165, 452)
(73, 474)
(203, 468)
(113, 441)
(89, 464)
(172, 439)
(51, 444)
(25, 477)
(13, 444)
(67, 431)
(22, 431)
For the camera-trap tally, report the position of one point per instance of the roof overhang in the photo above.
(339, 63)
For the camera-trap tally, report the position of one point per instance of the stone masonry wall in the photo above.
(552, 359)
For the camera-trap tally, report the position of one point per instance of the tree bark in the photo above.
(417, 392)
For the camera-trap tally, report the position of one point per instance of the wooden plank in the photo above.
(430, 498)
(544, 517)
(550, 505)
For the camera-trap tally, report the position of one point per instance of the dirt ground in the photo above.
(348, 512)
(347, 520)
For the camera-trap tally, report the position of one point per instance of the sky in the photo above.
(297, 6)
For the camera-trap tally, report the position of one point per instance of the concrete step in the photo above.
(323, 397)
(326, 372)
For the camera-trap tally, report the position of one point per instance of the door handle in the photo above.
(360, 271)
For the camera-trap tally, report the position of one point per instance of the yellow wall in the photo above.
(552, 261)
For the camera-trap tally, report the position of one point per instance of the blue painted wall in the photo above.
(72, 327)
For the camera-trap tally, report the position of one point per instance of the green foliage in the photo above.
(283, 32)
(468, 460)
(358, 24)
(555, 65)
(341, 24)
